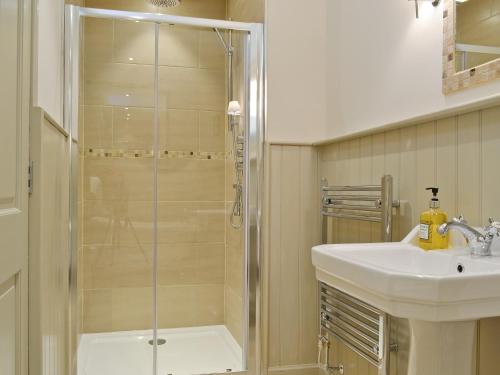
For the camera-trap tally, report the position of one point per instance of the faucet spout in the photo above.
(478, 242)
(470, 233)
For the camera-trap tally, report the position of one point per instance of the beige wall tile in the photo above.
(179, 130)
(120, 222)
(191, 180)
(117, 191)
(115, 84)
(130, 5)
(211, 51)
(133, 128)
(189, 264)
(132, 309)
(212, 131)
(177, 306)
(178, 46)
(98, 40)
(112, 266)
(97, 310)
(209, 304)
(199, 8)
(246, 10)
(234, 255)
(195, 305)
(108, 179)
(187, 88)
(234, 314)
(191, 222)
(192, 8)
(134, 42)
(97, 126)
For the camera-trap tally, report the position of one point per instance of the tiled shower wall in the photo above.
(118, 175)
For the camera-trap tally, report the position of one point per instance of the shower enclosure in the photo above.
(166, 116)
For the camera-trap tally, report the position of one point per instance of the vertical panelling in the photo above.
(446, 164)
(309, 235)
(468, 159)
(378, 147)
(391, 166)
(49, 255)
(490, 127)
(460, 155)
(408, 179)
(365, 172)
(426, 158)
(489, 348)
(289, 255)
(294, 229)
(352, 235)
(274, 257)
(342, 178)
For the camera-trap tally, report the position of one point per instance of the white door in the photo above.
(14, 120)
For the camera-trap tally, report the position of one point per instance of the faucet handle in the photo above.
(493, 228)
(460, 219)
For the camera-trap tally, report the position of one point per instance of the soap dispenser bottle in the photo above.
(430, 220)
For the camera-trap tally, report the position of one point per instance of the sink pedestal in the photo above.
(442, 348)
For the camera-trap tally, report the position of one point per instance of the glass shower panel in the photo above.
(118, 199)
(197, 313)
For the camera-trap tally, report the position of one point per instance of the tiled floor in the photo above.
(197, 350)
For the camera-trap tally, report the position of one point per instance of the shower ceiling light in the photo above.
(165, 3)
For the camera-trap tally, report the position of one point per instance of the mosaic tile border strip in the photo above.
(164, 154)
(454, 81)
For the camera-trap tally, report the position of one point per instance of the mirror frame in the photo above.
(455, 81)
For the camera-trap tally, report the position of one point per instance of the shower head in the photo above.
(165, 3)
(234, 108)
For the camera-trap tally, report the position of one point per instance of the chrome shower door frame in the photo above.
(253, 156)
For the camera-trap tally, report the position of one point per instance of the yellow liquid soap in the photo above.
(430, 220)
(429, 238)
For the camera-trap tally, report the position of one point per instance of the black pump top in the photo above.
(434, 202)
(435, 191)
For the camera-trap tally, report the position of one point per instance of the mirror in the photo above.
(471, 43)
(477, 33)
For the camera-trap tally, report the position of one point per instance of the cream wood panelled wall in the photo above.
(293, 229)
(459, 154)
(49, 242)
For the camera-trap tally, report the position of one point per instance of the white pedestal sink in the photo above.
(441, 293)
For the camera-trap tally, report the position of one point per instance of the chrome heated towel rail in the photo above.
(363, 328)
(364, 202)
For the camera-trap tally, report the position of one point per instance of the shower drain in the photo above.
(158, 342)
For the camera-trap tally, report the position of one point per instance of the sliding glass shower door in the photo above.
(168, 257)
(117, 252)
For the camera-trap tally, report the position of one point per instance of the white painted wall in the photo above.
(385, 66)
(48, 57)
(296, 68)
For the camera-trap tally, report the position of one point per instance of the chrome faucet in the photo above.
(479, 243)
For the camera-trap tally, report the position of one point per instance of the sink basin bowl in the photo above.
(407, 282)
(441, 293)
